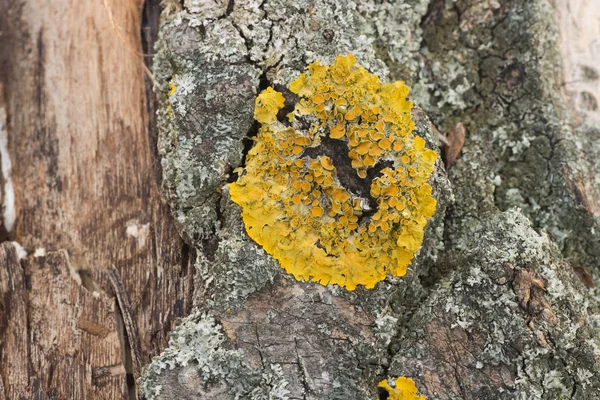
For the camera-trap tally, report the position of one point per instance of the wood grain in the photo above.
(85, 174)
(48, 347)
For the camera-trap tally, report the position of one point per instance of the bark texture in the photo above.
(499, 303)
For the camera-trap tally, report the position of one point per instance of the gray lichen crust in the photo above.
(510, 321)
(490, 308)
(496, 68)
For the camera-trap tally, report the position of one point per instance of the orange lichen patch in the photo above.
(318, 99)
(337, 132)
(294, 205)
(316, 211)
(404, 389)
(326, 163)
(385, 144)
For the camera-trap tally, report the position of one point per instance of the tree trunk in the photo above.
(500, 301)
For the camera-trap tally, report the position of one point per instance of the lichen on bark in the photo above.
(496, 68)
(490, 307)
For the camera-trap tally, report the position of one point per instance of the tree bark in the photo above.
(488, 308)
(499, 303)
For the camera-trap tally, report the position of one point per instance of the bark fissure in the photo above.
(302, 371)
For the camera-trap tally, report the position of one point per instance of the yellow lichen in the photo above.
(405, 389)
(172, 89)
(295, 206)
(268, 104)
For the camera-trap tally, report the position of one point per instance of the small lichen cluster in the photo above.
(294, 204)
(404, 389)
(198, 341)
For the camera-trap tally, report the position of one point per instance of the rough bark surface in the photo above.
(75, 129)
(498, 302)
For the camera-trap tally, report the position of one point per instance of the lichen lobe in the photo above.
(293, 201)
(404, 389)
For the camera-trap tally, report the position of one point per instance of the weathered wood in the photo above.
(58, 338)
(131, 331)
(13, 328)
(85, 177)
